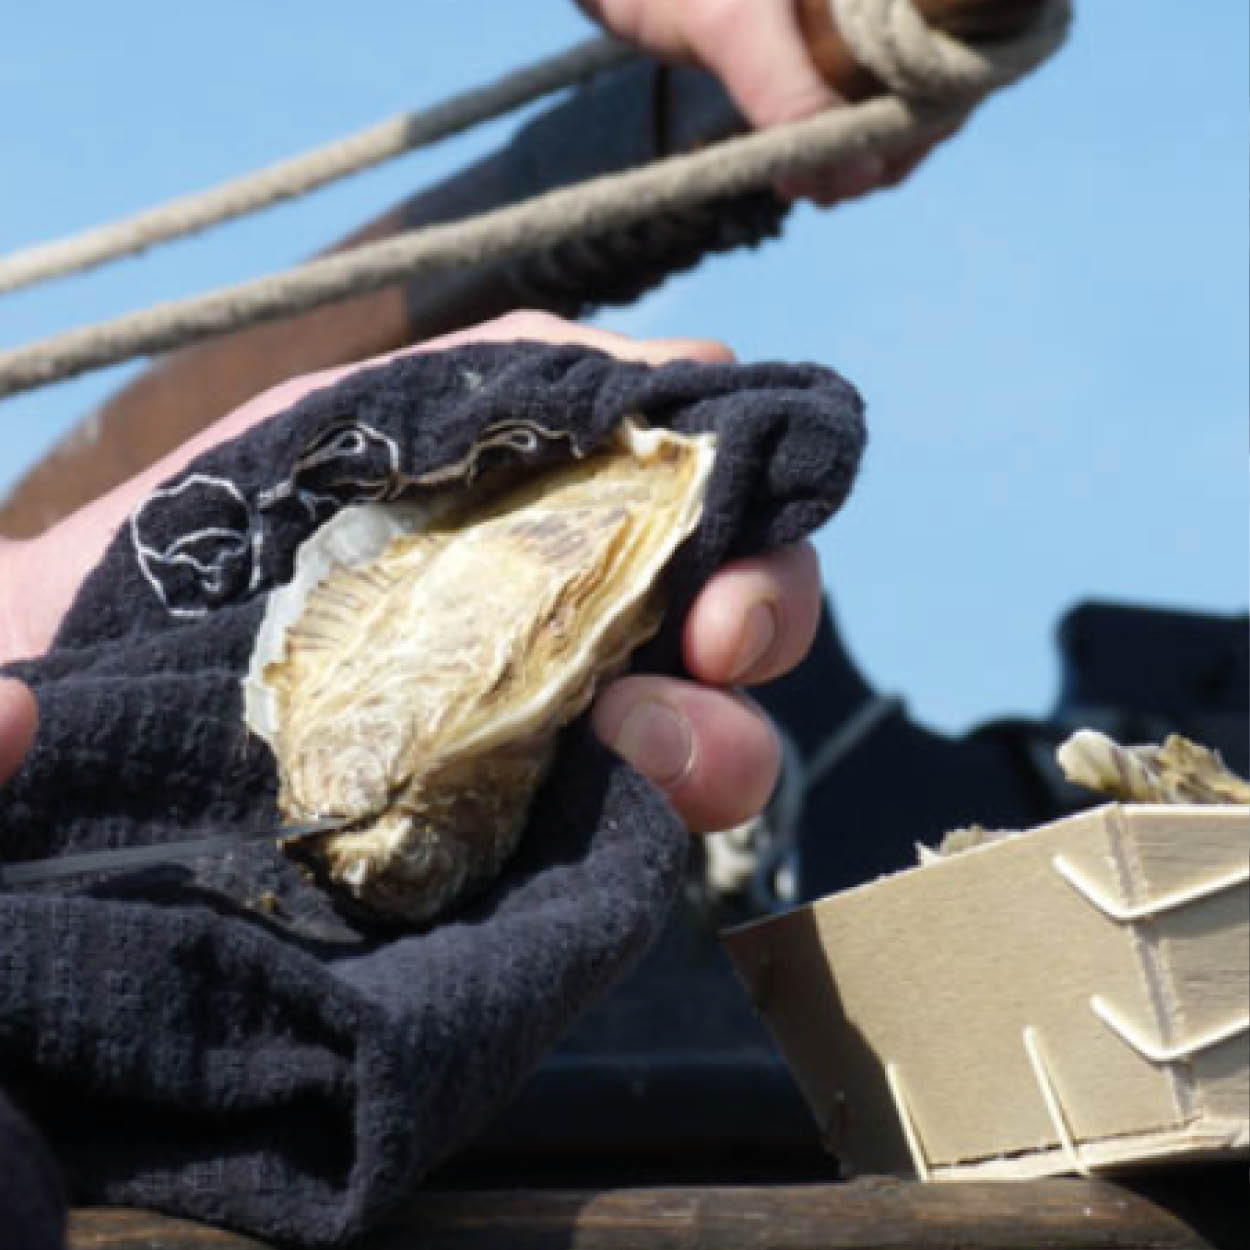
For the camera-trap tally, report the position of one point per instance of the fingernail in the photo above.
(656, 741)
(758, 635)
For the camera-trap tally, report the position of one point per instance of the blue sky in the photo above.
(1049, 320)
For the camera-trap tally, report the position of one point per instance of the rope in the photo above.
(887, 125)
(189, 213)
(583, 273)
(600, 204)
(921, 62)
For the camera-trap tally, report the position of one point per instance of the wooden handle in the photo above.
(188, 390)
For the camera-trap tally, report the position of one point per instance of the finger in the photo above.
(533, 325)
(843, 181)
(525, 325)
(17, 725)
(661, 351)
(755, 619)
(758, 52)
(849, 179)
(900, 166)
(714, 754)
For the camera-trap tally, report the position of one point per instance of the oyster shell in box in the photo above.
(412, 677)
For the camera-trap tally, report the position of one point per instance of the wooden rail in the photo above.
(1187, 1210)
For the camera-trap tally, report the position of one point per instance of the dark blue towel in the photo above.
(217, 1041)
(32, 1208)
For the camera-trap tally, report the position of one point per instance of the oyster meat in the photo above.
(412, 677)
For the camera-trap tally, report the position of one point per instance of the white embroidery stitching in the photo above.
(227, 544)
(345, 443)
(341, 442)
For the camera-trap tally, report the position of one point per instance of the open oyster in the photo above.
(412, 677)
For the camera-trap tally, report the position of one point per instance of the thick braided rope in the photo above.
(299, 174)
(601, 204)
(920, 62)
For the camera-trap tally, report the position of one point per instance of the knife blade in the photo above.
(116, 859)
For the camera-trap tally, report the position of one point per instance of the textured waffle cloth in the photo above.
(281, 1071)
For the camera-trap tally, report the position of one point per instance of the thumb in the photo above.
(17, 725)
(758, 52)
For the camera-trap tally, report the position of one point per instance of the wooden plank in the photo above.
(1194, 1210)
(121, 1228)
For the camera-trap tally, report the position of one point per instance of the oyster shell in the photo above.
(412, 677)
(1179, 771)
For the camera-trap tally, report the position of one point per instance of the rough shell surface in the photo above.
(413, 676)
(1179, 771)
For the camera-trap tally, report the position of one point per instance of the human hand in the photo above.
(17, 726)
(714, 754)
(757, 50)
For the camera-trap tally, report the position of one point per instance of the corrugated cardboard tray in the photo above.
(1066, 999)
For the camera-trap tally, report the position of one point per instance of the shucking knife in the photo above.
(121, 858)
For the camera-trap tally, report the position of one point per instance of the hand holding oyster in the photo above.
(413, 676)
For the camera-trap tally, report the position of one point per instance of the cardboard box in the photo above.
(1070, 998)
